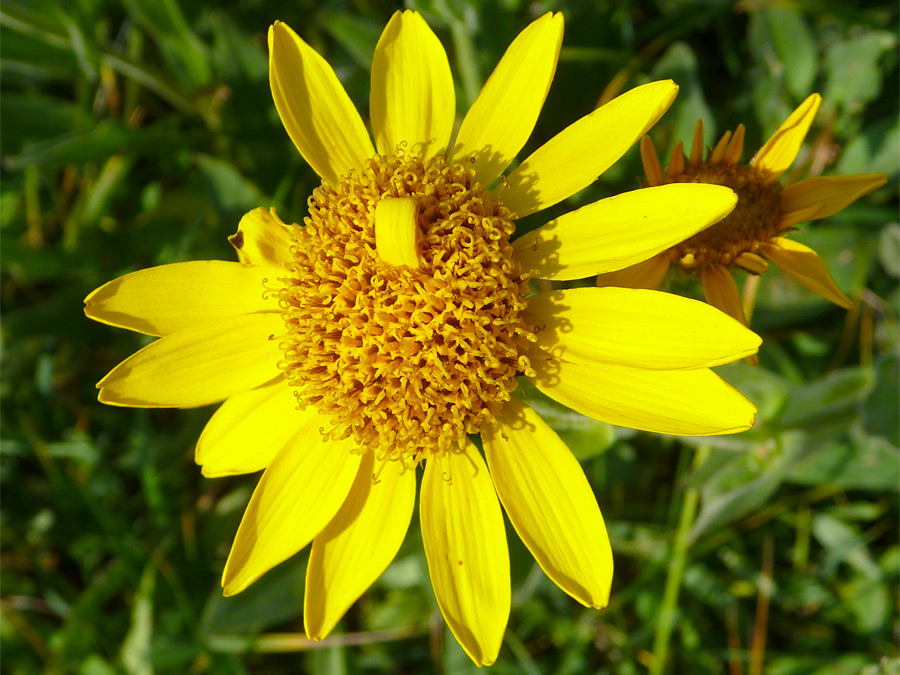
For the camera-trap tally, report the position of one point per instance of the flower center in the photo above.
(404, 307)
(754, 221)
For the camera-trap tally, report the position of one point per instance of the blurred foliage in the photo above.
(136, 133)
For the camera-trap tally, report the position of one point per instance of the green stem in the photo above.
(677, 563)
(466, 61)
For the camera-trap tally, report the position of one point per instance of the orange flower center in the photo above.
(406, 358)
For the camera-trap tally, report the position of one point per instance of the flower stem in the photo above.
(677, 563)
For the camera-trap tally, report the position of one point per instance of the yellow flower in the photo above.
(750, 236)
(393, 326)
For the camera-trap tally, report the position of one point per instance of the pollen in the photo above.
(405, 358)
(736, 239)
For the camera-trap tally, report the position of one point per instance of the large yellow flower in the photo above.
(393, 325)
(750, 235)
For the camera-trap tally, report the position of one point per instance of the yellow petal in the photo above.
(641, 328)
(697, 145)
(396, 225)
(804, 264)
(780, 151)
(359, 543)
(199, 365)
(502, 117)
(832, 193)
(790, 218)
(262, 238)
(249, 429)
(314, 108)
(676, 162)
(162, 300)
(679, 402)
(735, 146)
(412, 100)
(752, 262)
(295, 499)
(648, 274)
(623, 230)
(550, 503)
(465, 544)
(721, 291)
(574, 158)
(718, 152)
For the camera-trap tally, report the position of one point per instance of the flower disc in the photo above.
(407, 359)
(754, 221)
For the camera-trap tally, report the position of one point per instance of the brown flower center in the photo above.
(406, 358)
(754, 221)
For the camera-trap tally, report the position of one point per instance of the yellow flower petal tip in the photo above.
(262, 238)
(764, 213)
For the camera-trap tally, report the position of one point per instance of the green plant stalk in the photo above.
(677, 563)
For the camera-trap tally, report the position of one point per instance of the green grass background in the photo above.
(137, 132)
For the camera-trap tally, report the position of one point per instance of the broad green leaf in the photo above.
(839, 393)
(856, 462)
(870, 602)
(744, 485)
(274, 599)
(855, 69)
(795, 48)
(844, 543)
(872, 149)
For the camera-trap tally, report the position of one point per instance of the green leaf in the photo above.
(34, 116)
(844, 543)
(880, 410)
(873, 149)
(795, 48)
(355, 34)
(836, 395)
(136, 648)
(186, 54)
(869, 603)
(236, 54)
(888, 246)
(745, 484)
(275, 598)
(233, 193)
(854, 69)
(858, 462)
(96, 665)
(105, 140)
(679, 62)
(329, 661)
